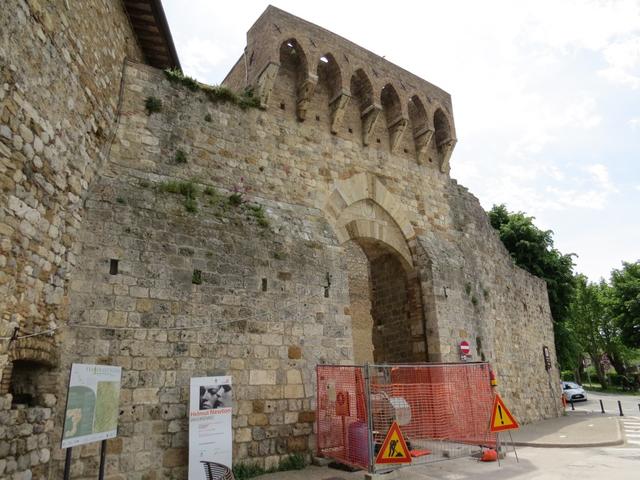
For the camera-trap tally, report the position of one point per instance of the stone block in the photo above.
(294, 377)
(175, 457)
(295, 352)
(262, 377)
(145, 396)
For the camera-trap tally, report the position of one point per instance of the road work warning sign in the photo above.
(501, 418)
(394, 448)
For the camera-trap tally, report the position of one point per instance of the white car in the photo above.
(573, 391)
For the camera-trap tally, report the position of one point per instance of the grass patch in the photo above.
(244, 471)
(235, 199)
(191, 205)
(180, 156)
(257, 212)
(175, 75)
(597, 388)
(144, 183)
(152, 105)
(188, 190)
(121, 200)
(196, 277)
(215, 93)
(207, 117)
(292, 462)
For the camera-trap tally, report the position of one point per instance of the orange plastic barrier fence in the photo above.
(443, 410)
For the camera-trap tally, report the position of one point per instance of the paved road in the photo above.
(611, 463)
(610, 401)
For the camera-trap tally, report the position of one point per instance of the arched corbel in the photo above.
(447, 149)
(369, 118)
(306, 88)
(338, 106)
(265, 82)
(422, 139)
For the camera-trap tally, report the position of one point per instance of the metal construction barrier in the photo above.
(443, 411)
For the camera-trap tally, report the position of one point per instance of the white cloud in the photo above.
(198, 56)
(623, 59)
(635, 123)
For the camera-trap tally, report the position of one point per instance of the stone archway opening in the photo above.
(385, 304)
(388, 318)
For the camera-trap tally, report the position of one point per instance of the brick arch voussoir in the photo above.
(364, 186)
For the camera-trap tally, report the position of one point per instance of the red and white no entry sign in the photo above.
(464, 347)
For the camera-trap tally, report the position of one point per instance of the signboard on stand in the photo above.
(93, 401)
(210, 409)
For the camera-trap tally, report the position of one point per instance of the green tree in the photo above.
(588, 318)
(532, 249)
(625, 302)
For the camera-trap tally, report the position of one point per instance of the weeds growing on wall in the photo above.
(257, 212)
(215, 93)
(189, 190)
(180, 156)
(152, 105)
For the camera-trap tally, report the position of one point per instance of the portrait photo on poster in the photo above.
(215, 396)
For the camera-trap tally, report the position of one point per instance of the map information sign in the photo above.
(92, 404)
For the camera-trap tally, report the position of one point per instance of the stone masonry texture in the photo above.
(208, 239)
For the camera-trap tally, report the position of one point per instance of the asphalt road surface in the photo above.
(610, 401)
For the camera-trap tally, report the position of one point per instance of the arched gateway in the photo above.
(388, 322)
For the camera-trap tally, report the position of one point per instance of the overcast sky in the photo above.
(546, 97)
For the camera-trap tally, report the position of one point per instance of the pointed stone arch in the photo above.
(393, 112)
(443, 137)
(421, 127)
(294, 62)
(362, 93)
(330, 80)
(388, 223)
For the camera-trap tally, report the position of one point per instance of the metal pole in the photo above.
(103, 455)
(639, 406)
(514, 447)
(498, 447)
(67, 464)
(367, 394)
(601, 406)
(620, 408)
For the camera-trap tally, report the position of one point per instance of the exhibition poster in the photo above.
(210, 409)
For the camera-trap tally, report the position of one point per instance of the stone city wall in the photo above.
(157, 269)
(60, 68)
(152, 318)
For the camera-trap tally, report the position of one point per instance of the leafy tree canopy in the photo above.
(625, 302)
(532, 249)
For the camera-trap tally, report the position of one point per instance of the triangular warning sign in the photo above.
(394, 448)
(501, 418)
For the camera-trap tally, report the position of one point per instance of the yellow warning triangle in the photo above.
(501, 418)
(394, 448)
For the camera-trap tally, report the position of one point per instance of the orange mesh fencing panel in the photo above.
(342, 427)
(443, 410)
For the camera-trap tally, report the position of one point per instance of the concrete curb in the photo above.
(609, 443)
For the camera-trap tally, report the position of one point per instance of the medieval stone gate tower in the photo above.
(207, 238)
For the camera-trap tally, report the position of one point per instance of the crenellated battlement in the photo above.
(350, 89)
